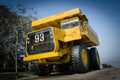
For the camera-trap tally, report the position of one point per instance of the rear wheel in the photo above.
(94, 59)
(79, 59)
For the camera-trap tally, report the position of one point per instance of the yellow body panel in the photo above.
(72, 34)
(90, 33)
(67, 34)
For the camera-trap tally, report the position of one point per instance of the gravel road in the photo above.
(103, 74)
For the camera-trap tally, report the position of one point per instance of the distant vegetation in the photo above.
(107, 66)
(14, 24)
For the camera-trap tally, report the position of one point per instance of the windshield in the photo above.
(69, 24)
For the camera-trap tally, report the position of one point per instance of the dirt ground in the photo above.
(103, 74)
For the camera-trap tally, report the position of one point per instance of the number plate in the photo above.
(39, 38)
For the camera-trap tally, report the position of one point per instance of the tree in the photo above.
(10, 23)
(7, 37)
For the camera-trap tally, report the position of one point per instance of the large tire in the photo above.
(79, 59)
(94, 59)
(41, 70)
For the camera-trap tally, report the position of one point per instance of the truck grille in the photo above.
(40, 42)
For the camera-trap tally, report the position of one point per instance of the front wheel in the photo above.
(79, 59)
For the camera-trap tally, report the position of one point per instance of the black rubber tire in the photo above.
(41, 70)
(94, 63)
(76, 59)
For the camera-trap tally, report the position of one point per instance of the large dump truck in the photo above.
(64, 41)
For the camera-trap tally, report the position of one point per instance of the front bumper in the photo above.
(42, 56)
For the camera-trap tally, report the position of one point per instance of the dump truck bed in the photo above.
(55, 20)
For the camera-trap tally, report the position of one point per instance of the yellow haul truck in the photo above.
(64, 41)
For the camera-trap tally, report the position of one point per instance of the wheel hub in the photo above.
(84, 57)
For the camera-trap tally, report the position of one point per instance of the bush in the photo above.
(107, 66)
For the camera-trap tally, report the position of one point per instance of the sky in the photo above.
(103, 16)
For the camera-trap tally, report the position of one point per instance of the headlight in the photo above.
(28, 40)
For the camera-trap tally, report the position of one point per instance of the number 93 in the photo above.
(39, 37)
